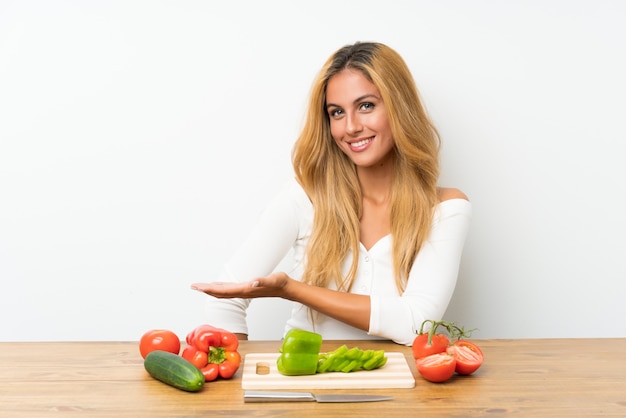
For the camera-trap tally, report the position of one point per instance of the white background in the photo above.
(140, 139)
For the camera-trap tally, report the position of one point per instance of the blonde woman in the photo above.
(376, 242)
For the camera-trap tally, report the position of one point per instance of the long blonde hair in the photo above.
(329, 177)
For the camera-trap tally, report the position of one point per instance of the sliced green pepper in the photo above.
(299, 353)
(351, 360)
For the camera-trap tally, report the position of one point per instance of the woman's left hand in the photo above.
(273, 285)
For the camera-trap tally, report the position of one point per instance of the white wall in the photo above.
(140, 139)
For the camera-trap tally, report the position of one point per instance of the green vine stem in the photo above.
(454, 331)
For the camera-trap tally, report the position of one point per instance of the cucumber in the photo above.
(174, 370)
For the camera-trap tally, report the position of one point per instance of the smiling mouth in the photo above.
(361, 143)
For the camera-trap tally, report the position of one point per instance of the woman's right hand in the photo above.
(274, 285)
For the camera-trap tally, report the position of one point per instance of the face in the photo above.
(358, 119)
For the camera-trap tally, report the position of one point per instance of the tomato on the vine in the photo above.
(423, 348)
(436, 367)
(469, 357)
(159, 339)
(435, 355)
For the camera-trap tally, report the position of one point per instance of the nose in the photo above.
(353, 124)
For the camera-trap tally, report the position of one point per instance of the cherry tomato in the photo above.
(468, 356)
(421, 348)
(436, 367)
(159, 339)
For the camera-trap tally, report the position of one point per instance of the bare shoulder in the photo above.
(447, 193)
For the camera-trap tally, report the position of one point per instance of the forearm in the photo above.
(349, 308)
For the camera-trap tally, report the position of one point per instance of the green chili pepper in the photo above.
(299, 353)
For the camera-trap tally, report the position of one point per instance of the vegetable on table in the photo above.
(174, 370)
(214, 351)
(348, 360)
(159, 339)
(300, 355)
(429, 343)
(436, 351)
(436, 368)
(469, 357)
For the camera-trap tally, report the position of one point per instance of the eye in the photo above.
(335, 112)
(366, 106)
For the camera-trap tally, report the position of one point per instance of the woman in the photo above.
(376, 242)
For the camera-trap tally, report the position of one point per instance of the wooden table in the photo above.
(526, 377)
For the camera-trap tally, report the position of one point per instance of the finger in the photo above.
(202, 286)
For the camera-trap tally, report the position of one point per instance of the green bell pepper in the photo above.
(299, 353)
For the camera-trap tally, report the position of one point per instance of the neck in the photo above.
(376, 181)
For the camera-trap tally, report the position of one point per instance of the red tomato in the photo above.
(468, 356)
(159, 339)
(421, 348)
(436, 367)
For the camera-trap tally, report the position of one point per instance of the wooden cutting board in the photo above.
(394, 374)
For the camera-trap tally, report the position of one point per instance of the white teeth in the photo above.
(361, 143)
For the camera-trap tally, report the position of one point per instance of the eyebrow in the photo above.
(357, 100)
